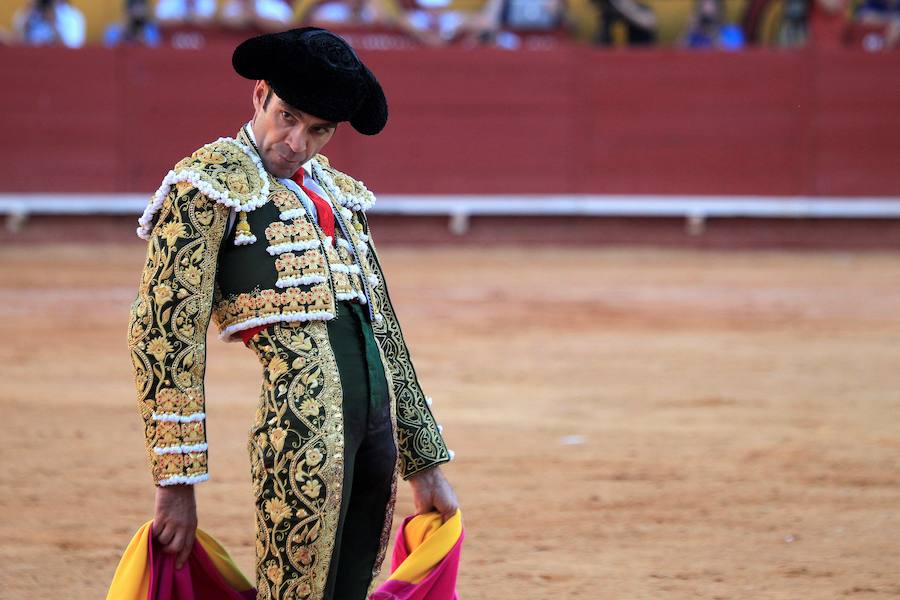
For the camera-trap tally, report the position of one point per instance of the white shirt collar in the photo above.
(306, 166)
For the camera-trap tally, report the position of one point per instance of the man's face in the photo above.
(285, 136)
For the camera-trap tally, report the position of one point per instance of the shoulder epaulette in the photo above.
(348, 192)
(225, 171)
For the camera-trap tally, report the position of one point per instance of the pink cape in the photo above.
(425, 560)
(145, 572)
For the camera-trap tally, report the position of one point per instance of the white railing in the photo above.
(461, 208)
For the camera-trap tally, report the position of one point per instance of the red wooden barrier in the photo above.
(572, 120)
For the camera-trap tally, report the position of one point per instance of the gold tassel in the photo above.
(243, 227)
(242, 233)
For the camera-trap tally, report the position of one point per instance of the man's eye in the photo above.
(286, 116)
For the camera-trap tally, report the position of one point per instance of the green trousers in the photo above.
(369, 454)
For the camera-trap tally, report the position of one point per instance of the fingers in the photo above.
(448, 504)
(177, 540)
(184, 553)
(177, 543)
(165, 534)
(448, 510)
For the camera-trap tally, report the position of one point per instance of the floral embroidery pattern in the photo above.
(225, 171)
(296, 453)
(268, 306)
(300, 269)
(286, 237)
(419, 440)
(167, 333)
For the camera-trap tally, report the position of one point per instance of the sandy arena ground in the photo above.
(628, 424)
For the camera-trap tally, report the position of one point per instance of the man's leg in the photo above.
(296, 446)
(369, 461)
(360, 538)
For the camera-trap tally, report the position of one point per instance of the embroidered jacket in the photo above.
(275, 266)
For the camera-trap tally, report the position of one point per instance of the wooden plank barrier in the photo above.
(574, 120)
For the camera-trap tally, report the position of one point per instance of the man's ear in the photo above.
(260, 96)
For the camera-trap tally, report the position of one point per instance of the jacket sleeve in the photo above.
(419, 436)
(167, 332)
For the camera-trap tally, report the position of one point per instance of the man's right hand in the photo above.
(175, 520)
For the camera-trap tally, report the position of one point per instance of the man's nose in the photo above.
(296, 140)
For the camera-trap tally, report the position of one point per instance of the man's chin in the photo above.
(281, 171)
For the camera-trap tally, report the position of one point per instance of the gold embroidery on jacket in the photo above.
(297, 461)
(293, 302)
(283, 198)
(300, 268)
(419, 442)
(296, 232)
(167, 332)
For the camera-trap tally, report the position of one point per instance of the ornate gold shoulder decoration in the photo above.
(226, 171)
(348, 192)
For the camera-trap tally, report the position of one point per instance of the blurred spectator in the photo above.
(793, 31)
(503, 22)
(883, 14)
(827, 22)
(138, 28)
(269, 15)
(636, 18)
(353, 13)
(431, 22)
(707, 28)
(182, 12)
(49, 22)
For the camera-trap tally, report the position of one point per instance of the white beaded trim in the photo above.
(183, 479)
(292, 246)
(345, 269)
(373, 279)
(451, 453)
(284, 282)
(354, 295)
(292, 213)
(181, 449)
(198, 416)
(244, 240)
(319, 315)
(428, 400)
(172, 177)
(353, 202)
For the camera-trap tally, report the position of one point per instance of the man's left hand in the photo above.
(431, 491)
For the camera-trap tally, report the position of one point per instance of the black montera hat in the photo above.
(317, 72)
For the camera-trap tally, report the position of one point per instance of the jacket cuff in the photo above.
(423, 466)
(176, 436)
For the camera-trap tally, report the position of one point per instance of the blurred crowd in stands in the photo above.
(702, 24)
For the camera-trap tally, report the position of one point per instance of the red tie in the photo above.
(323, 209)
